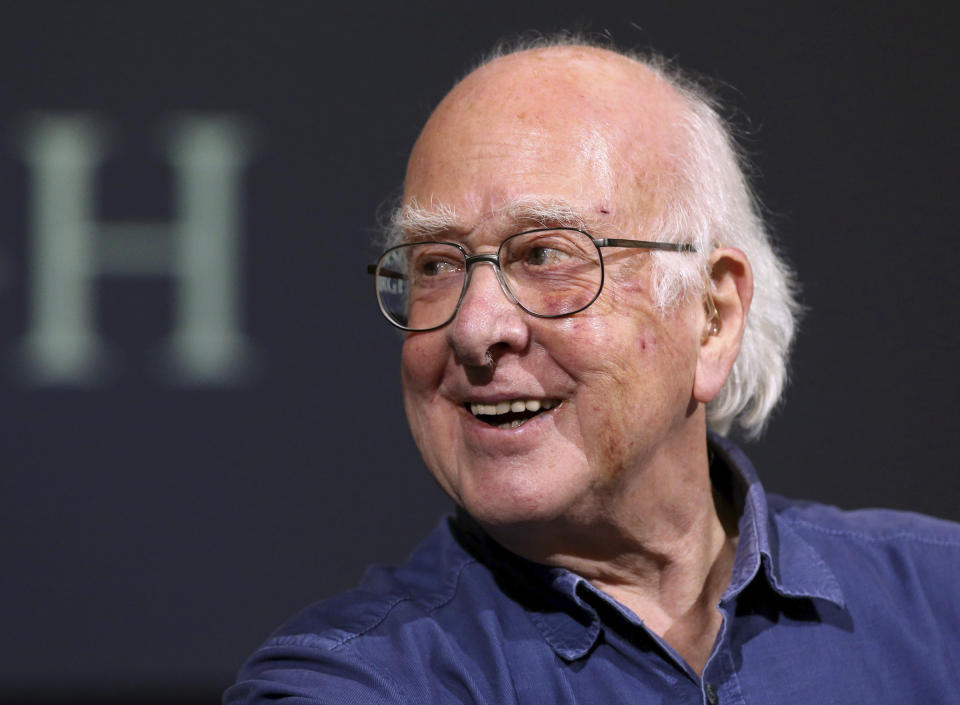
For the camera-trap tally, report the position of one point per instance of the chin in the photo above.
(506, 498)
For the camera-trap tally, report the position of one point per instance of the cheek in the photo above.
(634, 378)
(421, 363)
(607, 342)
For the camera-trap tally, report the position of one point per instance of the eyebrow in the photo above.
(413, 222)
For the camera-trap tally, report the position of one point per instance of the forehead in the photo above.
(581, 127)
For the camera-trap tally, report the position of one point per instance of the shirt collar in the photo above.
(559, 601)
(791, 566)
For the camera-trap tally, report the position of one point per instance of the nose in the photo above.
(488, 321)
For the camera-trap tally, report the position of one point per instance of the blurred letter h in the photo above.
(69, 249)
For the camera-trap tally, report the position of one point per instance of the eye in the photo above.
(437, 267)
(541, 256)
(545, 252)
(435, 261)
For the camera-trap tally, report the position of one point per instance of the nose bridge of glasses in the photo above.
(490, 258)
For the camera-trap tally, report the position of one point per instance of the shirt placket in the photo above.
(719, 683)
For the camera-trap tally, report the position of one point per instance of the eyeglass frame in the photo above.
(493, 258)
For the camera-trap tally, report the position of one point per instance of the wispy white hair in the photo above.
(709, 203)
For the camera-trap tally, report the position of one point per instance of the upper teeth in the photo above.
(515, 406)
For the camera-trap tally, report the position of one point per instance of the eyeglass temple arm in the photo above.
(372, 269)
(646, 244)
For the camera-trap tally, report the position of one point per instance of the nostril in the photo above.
(480, 375)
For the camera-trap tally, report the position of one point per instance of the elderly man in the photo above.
(587, 288)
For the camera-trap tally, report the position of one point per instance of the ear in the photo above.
(730, 286)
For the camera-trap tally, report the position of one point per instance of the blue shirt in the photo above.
(824, 606)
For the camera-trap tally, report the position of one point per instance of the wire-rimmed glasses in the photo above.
(548, 272)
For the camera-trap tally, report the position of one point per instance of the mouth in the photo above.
(510, 414)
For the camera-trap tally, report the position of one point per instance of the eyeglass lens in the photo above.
(549, 273)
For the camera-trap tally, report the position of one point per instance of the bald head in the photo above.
(540, 81)
(605, 118)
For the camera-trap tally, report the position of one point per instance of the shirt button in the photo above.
(711, 690)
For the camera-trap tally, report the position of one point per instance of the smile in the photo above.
(510, 414)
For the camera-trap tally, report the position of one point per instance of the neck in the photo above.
(662, 544)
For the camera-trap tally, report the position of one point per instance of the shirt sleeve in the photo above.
(301, 669)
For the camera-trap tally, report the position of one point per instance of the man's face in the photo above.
(618, 375)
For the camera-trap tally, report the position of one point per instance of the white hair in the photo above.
(710, 204)
(713, 204)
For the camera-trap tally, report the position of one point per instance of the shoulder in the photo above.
(360, 646)
(386, 597)
(865, 526)
(895, 561)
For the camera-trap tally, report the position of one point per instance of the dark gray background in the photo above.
(152, 535)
